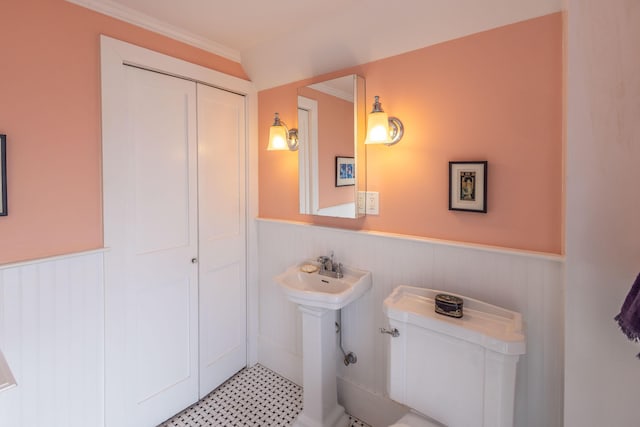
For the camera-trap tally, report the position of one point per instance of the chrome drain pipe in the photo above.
(350, 357)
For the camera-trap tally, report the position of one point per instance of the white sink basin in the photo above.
(316, 290)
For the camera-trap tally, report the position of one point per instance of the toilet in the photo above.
(456, 372)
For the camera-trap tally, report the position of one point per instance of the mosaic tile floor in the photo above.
(255, 396)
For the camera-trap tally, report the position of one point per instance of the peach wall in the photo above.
(50, 111)
(496, 96)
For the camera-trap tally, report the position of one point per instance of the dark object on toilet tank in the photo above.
(629, 317)
(448, 305)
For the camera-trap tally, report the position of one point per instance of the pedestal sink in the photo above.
(318, 297)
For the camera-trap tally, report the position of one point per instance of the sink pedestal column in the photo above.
(320, 391)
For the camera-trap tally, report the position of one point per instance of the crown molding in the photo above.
(330, 90)
(123, 13)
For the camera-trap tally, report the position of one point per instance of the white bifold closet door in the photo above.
(222, 235)
(175, 276)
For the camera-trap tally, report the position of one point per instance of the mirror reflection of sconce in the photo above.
(382, 129)
(281, 138)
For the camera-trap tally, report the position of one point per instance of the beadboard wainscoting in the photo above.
(52, 334)
(527, 282)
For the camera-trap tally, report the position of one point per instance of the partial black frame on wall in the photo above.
(3, 175)
(478, 172)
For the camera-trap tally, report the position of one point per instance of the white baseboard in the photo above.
(368, 406)
(279, 360)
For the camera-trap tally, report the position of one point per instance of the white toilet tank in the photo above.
(459, 372)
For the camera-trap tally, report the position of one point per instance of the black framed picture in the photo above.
(468, 186)
(345, 171)
(3, 175)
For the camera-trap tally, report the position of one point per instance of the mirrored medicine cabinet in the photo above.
(332, 160)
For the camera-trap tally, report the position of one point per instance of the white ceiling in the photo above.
(281, 41)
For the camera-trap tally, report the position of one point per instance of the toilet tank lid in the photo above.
(492, 327)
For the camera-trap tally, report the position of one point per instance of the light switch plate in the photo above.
(372, 203)
(361, 201)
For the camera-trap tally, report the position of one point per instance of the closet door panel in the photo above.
(221, 189)
(162, 183)
(223, 337)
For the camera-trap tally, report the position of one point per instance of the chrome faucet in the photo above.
(329, 268)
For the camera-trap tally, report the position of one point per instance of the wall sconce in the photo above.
(382, 129)
(281, 138)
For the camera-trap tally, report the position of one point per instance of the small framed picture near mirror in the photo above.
(468, 186)
(345, 171)
(3, 175)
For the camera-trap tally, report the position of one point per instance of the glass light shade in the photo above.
(378, 128)
(277, 138)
